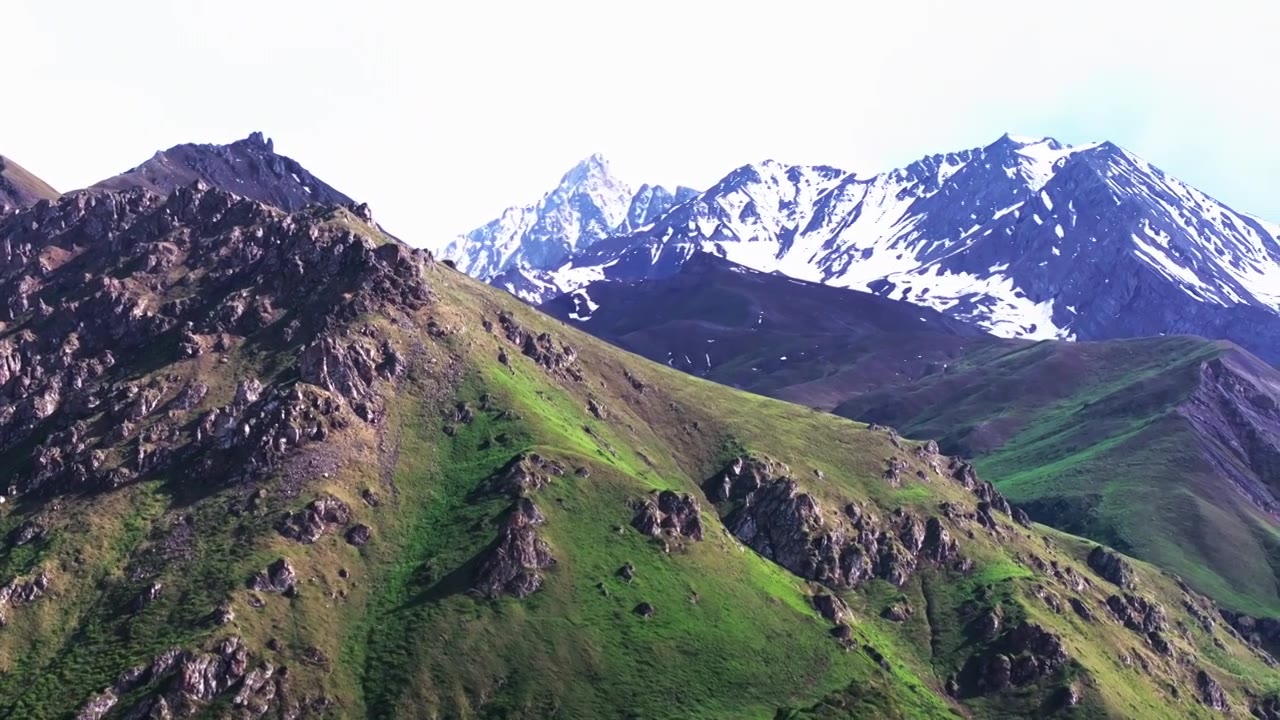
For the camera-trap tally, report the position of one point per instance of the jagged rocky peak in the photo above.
(589, 204)
(99, 279)
(249, 167)
(1025, 237)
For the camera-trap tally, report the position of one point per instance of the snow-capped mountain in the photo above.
(1025, 237)
(588, 205)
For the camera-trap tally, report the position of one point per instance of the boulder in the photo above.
(1111, 567)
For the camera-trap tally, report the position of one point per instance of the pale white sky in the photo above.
(439, 117)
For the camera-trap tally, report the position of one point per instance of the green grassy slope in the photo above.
(1090, 437)
(390, 629)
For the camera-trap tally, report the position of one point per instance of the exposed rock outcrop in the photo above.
(184, 683)
(278, 577)
(669, 512)
(765, 509)
(309, 523)
(511, 565)
(1211, 693)
(1111, 567)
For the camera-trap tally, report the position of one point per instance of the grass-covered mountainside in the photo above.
(19, 188)
(1167, 447)
(270, 465)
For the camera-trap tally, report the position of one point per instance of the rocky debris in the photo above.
(359, 535)
(149, 594)
(1021, 517)
(308, 524)
(843, 633)
(597, 409)
(1211, 693)
(1022, 655)
(511, 564)
(542, 349)
(938, 545)
(525, 474)
(894, 469)
(627, 572)
(996, 673)
(877, 657)
(224, 614)
(207, 269)
(1137, 613)
(370, 497)
(987, 626)
(644, 610)
(22, 592)
(1080, 609)
(1111, 567)
(1069, 696)
(676, 514)
(1050, 599)
(1160, 643)
(1201, 617)
(769, 514)
(278, 577)
(832, 607)
(1261, 633)
(29, 531)
(898, 612)
(183, 683)
(1267, 707)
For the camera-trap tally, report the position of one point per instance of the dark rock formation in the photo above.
(308, 524)
(1211, 693)
(140, 275)
(644, 610)
(1111, 567)
(278, 577)
(542, 349)
(525, 474)
(1022, 655)
(1137, 613)
(898, 612)
(765, 509)
(511, 566)
(1080, 609)
(359, 535)
(832, 607)
(248, 167)
(670, 512)
(182, 683)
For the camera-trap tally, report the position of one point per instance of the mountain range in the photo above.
(272, 462)
(1166, 447)
(1024, 237)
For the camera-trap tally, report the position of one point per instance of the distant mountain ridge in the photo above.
(589, 204)
(249, 167)
(1024, 237)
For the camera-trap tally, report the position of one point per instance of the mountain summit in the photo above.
(249, 168)
(588, 204)
(1024, 237)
